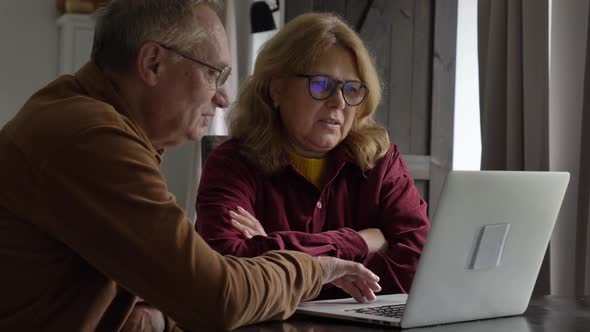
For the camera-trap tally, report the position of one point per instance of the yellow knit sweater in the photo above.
(313, 169)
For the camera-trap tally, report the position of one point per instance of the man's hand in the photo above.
(352, 277)
(246, 224)
(374, 239)
(144, 318)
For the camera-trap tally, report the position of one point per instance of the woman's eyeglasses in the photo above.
(322, 87)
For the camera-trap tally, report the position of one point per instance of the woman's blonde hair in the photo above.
(256, 123)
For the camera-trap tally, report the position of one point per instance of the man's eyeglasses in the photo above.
(223, 72)
(322, 87)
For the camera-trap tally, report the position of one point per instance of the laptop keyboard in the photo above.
(391, 310)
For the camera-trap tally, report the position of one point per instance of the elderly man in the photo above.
(89, 232)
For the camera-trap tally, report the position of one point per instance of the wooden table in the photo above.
(547, 314)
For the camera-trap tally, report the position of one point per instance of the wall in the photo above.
(28, 59)
(569, 19)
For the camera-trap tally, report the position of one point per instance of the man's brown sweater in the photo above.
(87, 224)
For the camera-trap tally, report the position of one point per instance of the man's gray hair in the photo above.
(125, 25)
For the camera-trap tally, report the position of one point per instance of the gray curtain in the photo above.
(514, 74)
(516, 118)
(514, 68)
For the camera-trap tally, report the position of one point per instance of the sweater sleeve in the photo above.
(107, 200)
(404, 223)
(227, 182)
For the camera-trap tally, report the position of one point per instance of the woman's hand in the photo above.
(144, 318)
(374, 239)
(246, 224)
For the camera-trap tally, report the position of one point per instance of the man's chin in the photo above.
(198, 134)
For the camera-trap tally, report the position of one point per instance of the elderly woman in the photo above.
(306, 167)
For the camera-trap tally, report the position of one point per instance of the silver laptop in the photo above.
(482, 256)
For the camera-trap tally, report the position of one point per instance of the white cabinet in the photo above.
(76, 33)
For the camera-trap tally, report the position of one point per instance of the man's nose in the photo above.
(221, 96)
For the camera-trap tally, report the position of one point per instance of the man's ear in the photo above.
(150, 60)
(275, 90)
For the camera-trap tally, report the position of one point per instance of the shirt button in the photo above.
(319, 205)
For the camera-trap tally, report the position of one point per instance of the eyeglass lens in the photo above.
(223, 75)
(322, 87)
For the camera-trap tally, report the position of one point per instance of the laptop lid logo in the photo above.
(488, 252)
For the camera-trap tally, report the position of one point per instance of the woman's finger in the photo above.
(243, 229)
(242, 219)
(247, 219)
(246, 213)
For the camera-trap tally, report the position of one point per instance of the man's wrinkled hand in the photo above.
(352, 277)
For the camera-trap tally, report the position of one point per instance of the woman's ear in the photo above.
(276, 87)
